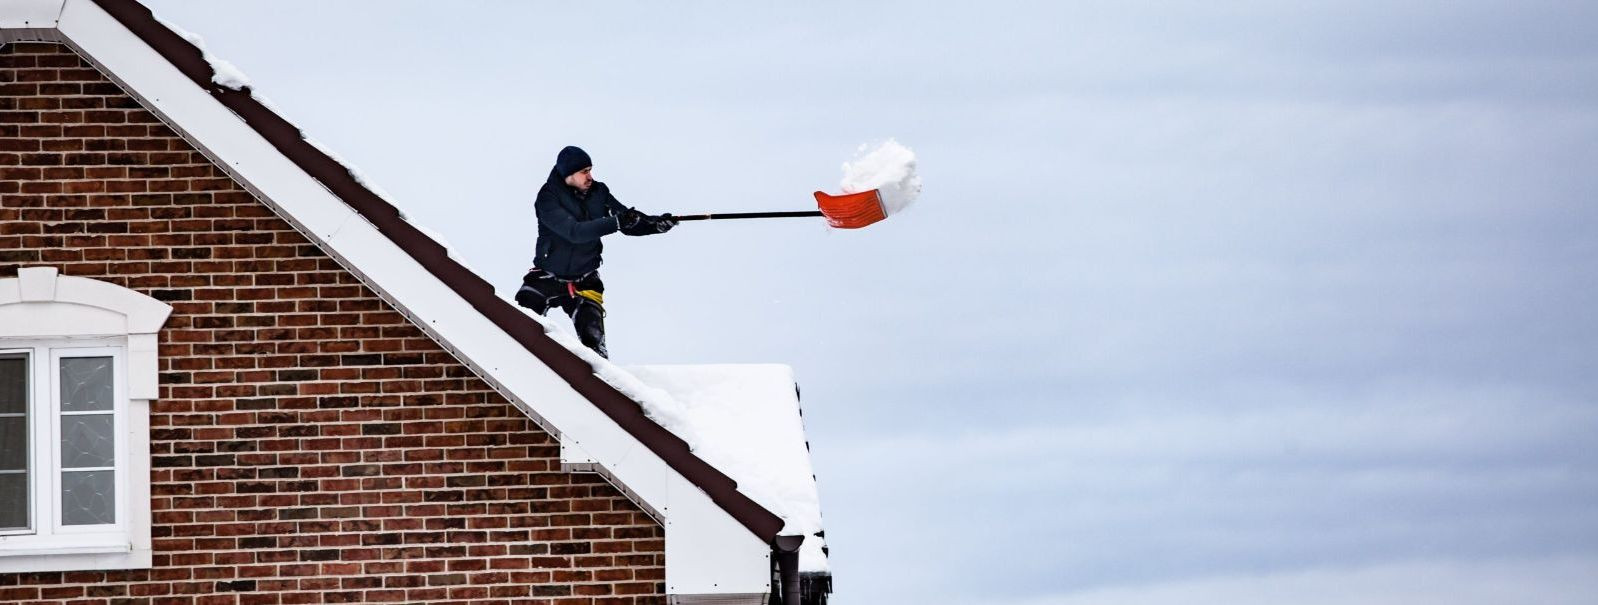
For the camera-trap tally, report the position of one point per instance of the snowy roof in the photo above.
(748, 423)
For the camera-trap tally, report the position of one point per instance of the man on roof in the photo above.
(574, 212)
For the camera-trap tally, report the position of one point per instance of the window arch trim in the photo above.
(123, 312)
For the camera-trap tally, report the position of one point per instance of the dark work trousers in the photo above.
(582, 298)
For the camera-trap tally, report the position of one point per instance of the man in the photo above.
(574, 212)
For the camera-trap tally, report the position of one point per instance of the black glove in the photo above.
(629, 221)
(633, 222)
(664, 223)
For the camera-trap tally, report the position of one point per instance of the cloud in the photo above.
(1545, 581)
(1155, 491)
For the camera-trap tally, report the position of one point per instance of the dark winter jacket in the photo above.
(570, 225)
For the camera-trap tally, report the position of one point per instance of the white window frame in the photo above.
(51, 317)
(119, 461)
(46, 530)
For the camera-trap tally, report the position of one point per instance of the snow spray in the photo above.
(888, 167)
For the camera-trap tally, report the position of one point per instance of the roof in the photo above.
(748, 422)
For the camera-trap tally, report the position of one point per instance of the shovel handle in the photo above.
(731, 215)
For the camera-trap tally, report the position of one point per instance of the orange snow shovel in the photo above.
(849, 211)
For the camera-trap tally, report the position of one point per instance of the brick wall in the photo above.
(309, 445)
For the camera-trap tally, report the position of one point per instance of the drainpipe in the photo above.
(786, 550)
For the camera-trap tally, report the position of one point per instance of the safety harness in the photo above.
(593, 295)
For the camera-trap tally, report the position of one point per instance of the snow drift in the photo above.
(222, 72)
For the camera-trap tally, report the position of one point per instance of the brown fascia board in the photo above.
(435, 258)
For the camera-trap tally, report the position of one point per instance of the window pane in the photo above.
(13, 443)
(13, 500)
(85, 384)
(87, 497)
(13, 384)
(86, 441)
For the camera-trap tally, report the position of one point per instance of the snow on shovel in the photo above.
(880, 182)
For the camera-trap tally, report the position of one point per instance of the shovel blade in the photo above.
(851, 211)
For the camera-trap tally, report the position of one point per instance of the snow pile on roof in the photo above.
(657, 404)
(742, 419)
(888, 167)
(222, 72)
(750, 426)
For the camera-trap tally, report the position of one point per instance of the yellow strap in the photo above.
(593, 295)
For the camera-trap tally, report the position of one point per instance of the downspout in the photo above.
(785, 549)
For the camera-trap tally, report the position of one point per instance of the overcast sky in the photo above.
(1221, 302)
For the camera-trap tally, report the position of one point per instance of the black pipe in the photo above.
(786, 551)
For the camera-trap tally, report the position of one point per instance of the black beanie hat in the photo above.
(571, 160)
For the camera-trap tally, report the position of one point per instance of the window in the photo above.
(77, 373)
(60, 465)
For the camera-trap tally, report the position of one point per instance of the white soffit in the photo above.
(707, 551)
(30, 14)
